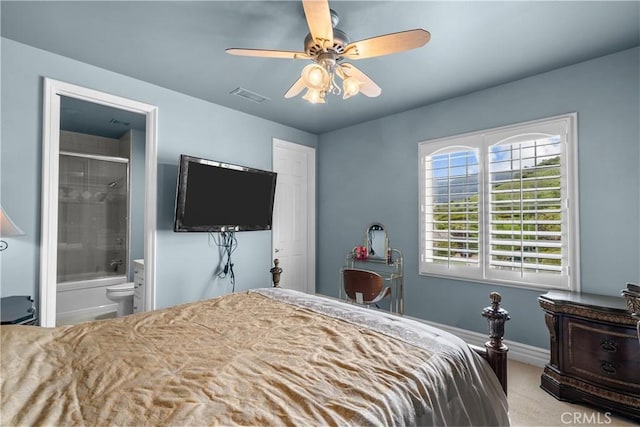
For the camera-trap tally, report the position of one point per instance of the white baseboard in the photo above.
(524, 353)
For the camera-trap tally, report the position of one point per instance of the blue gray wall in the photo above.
(369, 173)
(185, 261)
(366, 173)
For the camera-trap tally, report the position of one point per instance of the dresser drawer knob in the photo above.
(608, 368)
(609, 346)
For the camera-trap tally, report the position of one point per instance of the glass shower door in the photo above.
(92, 217)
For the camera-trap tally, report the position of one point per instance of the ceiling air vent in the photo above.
(248, 95)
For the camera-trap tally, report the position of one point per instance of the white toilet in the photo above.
(123, 295)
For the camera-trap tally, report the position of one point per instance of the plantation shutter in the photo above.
(500, 206)
(450, 205)
(526, 215)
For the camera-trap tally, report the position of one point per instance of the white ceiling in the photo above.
(180, 45)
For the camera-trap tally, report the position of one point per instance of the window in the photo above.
(501, 205)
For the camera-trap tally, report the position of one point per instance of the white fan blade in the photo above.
(368, 86)
(319, 20)
(295, 89)
(389, 43)
(282, 54)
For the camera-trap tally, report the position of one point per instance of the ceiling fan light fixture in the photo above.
(314, 96)
(350, 87)
(327, 47)
(315, 77)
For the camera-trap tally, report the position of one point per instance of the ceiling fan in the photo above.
(328, 46)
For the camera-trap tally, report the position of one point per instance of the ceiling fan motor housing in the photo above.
(340, 41)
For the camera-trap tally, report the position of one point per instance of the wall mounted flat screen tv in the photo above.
(216, 196)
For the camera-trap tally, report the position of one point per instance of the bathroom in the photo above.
(100, 211)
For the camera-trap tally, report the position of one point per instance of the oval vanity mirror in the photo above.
(377, 241)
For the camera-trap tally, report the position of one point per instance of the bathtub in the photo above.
(82, 301)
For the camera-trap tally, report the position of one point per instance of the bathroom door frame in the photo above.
(52, 90)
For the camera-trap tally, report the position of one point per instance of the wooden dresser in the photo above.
(595, 352)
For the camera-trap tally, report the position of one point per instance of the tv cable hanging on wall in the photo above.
(227, 242)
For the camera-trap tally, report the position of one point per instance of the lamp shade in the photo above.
(315, 77)
(314, 96)
(7, 227)
(351, 86)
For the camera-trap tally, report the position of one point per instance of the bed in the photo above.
(262, 357)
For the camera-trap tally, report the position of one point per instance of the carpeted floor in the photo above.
(529, 405)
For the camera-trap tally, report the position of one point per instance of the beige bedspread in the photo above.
(242, 359)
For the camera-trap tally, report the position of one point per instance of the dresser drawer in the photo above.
(603, 354)
(606, 339)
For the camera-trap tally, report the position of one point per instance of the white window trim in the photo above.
(482, 140)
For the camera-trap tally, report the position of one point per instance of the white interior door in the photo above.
(294, 215)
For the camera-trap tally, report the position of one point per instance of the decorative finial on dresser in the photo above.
(275, 273)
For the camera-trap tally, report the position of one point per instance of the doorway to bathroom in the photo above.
(98, 205)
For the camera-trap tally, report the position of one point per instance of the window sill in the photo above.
(504, 283)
